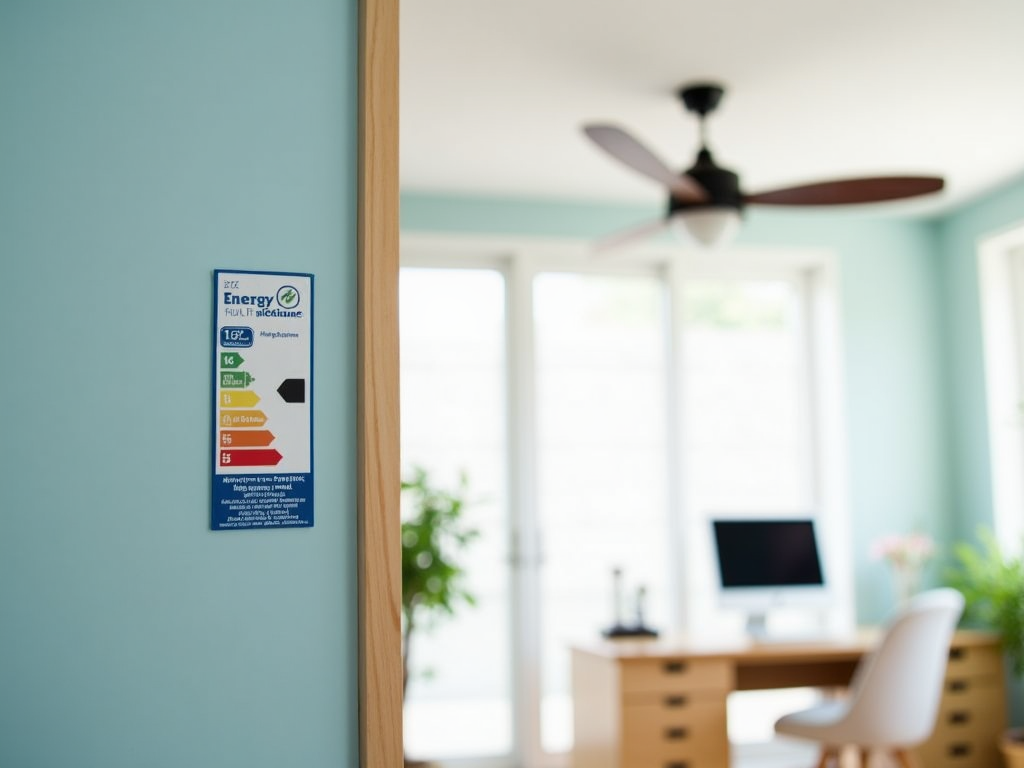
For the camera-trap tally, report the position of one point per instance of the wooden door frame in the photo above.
(379, 554)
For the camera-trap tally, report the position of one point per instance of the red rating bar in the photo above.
(258, 457)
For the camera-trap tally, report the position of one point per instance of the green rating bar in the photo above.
(230, 360)
(235, 379)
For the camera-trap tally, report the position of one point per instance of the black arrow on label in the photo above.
(293, 390)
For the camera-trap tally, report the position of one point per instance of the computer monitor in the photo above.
(768, 563)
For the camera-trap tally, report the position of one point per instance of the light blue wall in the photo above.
(898, 441)
(142, 145)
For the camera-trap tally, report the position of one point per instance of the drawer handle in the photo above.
(675, 734)
(957, 653)
(677, 764)
(675, 667)
(959, 718)
(675, 701)
(959, 750)
(958, 685)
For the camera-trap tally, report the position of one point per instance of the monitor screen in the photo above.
(767, 553)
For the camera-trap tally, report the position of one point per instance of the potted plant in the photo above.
(993, 587)
(434, 534)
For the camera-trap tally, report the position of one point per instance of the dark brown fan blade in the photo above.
(624, 148)
(849, 191)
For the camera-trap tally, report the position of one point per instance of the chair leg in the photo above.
(904, 758)
(853, 757)
(827, 754)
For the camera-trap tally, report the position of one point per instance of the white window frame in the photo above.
(819, 270)
(1001, 287)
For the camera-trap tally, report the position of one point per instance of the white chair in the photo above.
(894, 696)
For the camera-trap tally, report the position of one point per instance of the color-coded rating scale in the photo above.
(243, 444)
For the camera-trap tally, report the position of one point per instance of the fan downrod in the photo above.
(701, 98)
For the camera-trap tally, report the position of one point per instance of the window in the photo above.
(601, 376)
(625, 404)
(453, 421)
(1001, 281)
(745, 395)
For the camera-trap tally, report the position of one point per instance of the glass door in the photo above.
(601, 418)
(601, 461)
(459, 702)
(746, 443)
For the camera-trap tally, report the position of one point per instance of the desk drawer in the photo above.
(670, 676)
(971, 689)
(965, 751)
(655, 722)
(974, 661)
(706, 754)
(979, 710)
(674, 758)
(690, 735)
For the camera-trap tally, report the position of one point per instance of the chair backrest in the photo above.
(896, 690)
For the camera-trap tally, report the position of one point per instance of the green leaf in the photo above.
(992, 584)
(434, 534)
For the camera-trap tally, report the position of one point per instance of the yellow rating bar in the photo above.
(236, 399)
(242, 418)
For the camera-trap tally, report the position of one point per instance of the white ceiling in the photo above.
(493, 93)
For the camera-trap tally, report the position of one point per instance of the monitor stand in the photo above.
(757, 631)
(757, 626)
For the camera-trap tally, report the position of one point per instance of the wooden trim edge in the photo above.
(379, 555)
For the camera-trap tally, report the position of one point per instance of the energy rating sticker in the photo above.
(262, 400)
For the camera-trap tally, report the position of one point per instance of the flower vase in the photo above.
(906, 580)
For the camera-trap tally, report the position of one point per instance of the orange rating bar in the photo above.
(242, 418)
(246, 438)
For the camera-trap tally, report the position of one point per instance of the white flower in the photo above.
(911, 550)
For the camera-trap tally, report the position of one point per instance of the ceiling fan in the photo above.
(706, 199)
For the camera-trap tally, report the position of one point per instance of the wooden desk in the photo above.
(662, 704)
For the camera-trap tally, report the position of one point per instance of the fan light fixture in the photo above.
(711, 227)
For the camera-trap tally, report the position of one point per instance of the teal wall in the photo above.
(142, 145)
(895, 392)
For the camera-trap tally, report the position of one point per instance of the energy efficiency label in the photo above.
(262, 400)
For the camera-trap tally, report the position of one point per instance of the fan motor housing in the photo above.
(722, 185)
(701, 98)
